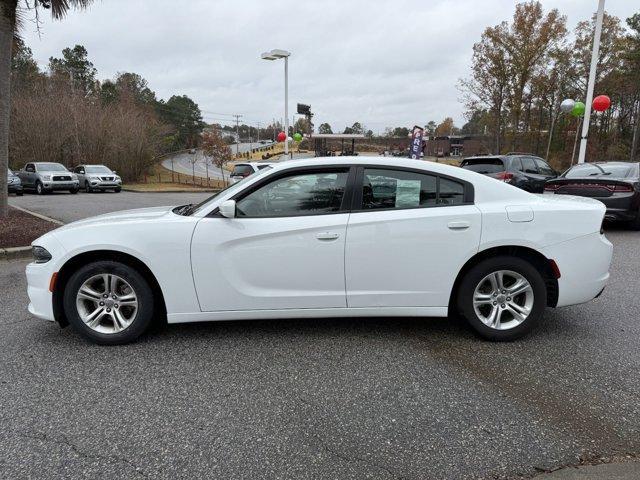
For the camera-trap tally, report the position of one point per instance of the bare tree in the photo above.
(217, 149)
(9, 29)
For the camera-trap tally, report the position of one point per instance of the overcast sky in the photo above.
(383, 63)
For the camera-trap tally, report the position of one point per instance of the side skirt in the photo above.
(307, 313)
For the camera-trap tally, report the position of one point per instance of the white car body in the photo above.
(400, 262)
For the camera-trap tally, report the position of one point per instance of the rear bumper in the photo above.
(584, 267)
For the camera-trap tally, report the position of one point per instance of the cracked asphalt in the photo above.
(339, 398)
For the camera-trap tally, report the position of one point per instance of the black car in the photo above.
(616, 184)
(14, 185)
(524, 171)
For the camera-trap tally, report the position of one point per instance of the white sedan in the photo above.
(327, 238)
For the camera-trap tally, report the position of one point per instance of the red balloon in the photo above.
(601, 103)
(282, 137)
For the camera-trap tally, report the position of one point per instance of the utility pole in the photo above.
(258, 132)
(237, 117)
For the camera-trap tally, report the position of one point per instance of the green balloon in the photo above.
(297, 137)
(578, 109)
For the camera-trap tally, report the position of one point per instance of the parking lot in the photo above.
(339, 398)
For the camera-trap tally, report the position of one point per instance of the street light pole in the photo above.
(274, 55)
(592, 80)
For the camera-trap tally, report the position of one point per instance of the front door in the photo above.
(284, 249)
(408, 240)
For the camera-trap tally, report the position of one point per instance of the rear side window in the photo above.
(242, 170)
(260, 167)
(529, 165)
(483, 165)
(397, 189)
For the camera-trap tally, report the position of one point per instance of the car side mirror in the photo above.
(228, 209)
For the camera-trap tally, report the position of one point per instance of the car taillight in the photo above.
(551, 187)
(505, 176)
(622, 188)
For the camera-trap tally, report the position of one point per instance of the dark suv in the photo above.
(524, 171)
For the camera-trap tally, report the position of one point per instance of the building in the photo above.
(457, 146)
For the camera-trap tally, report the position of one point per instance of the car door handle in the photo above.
(327, 236)
(460, 225)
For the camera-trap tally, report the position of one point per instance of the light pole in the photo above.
(275, 55)
(592, 80)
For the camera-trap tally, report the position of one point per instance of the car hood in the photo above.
(123, 216)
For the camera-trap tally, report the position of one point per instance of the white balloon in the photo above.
(567, 105)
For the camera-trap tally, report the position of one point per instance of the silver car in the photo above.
(44, 177)
(97, 177)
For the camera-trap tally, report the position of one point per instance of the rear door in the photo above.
(409, 234)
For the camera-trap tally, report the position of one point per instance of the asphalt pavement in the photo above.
(338, 398)
(194, 163)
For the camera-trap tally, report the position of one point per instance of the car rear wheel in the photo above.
(108, 303)
(635, 223)
(502, 298)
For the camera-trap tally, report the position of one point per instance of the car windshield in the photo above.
(483, 165)
(615, 170)
(51, 167)
(234, 186)
(10, 172)
(96, 169)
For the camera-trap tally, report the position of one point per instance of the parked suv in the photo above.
(97, 177)
(524, 171)
(242, 170)
(14, 185)
(43, 177)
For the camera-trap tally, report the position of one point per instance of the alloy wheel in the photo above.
(107, 303)
(503, 299)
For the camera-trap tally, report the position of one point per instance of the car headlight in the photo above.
(74, 176)
(118, 178)
(46, 177)
(40, 254)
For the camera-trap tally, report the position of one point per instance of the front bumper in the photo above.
(15, 187)
(51, 185)
(40, 298)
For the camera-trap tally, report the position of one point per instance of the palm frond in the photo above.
(59, 8)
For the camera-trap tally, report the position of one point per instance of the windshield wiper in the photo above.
(184, 209)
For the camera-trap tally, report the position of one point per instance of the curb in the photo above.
(14, 253)
(38, 215)
(171, 191)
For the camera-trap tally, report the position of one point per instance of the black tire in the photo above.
(117, 190)
(74, 190)
(39, 188)
(87, 187)
(635, 223)
(478, 272)
(19, 194)
(143, 316)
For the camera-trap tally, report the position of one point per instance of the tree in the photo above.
(214, 146)
(632, 69)
(325, 128)
(430, 128)
(357, 128)
(25, 73)
(184, 114)
(445, 128)
(9, 30)
(75, 66)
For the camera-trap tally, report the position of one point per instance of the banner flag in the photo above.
(416, 142)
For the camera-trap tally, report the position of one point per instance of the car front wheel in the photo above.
(108, 302)
(39, 188)
(502, 297)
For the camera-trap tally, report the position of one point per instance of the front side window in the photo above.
(544, 168)
(242, 170)
(296, 194)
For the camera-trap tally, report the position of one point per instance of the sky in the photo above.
(383, 63)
